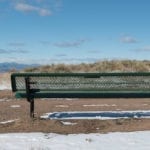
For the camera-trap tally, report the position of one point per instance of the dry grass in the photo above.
(101, 66)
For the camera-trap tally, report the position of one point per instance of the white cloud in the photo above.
(45, 61)
(24, 7)
(44, 12)
(60, 55)
(128, 39)
(68, 44)
(16, 44)
(93, 51)
(143, 49)
(44, 42)
(58, 4)
(5, 51)
(40, 7)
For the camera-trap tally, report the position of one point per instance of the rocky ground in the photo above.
(14, 115)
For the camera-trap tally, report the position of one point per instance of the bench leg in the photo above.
(32, 108)
(30, 97)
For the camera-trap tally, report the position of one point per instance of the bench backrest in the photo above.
(82, 81)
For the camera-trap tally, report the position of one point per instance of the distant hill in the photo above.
(5, 67)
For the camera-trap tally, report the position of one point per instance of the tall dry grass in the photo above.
(101, 66)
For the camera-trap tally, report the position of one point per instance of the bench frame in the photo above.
(30, 93)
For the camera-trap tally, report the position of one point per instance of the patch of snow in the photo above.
(15, 106)
(51, 141)
(2, 100)
(61, 106)
(144, 104)
(45, 116)
(5, 100)
(103, 115)
(68, 123)
(100, 105)
(5, 86)
(70, 99)
(8, 121)
(5, 83)
(118, 109)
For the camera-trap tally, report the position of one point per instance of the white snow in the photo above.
(62, 106)
(50, 141)
(99, 105)
(5, 100)
(8, 121)
(68, 123)
(2, 100)
(5, 86)
(5, 81)
(15, 106)
(97, 114)
(144, 104)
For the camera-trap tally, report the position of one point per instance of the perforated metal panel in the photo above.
(84, 82)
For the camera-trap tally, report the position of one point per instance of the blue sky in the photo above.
(74, 31)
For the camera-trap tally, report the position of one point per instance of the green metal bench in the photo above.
(80, 85)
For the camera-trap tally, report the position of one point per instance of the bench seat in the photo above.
(86, 94)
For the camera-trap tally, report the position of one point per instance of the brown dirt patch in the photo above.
(18, 110)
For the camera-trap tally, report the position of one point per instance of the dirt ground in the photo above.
(18, 110)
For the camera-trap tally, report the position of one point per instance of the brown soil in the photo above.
(18, 110)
